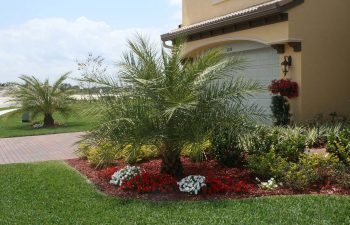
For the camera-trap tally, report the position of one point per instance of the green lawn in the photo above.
(53, 193)
(12, 126)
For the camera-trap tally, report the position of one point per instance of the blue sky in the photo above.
(44, 38)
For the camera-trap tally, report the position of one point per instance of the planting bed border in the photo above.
(205, 168)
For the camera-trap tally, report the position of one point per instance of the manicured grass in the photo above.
(53, 193)
(12, 126)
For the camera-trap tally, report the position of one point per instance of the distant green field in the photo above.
(12, 126)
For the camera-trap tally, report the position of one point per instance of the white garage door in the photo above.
(262, 65)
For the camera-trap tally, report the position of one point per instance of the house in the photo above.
(314, 33)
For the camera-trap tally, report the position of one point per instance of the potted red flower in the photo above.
(284, 87)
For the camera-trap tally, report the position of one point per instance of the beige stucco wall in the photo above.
(295, 73)
(322, 69)
(324, 28)
(270, 34)
(194, 11)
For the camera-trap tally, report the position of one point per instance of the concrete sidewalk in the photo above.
(38, 148)
(3, 112)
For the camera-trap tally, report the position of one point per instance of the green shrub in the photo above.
(342, 176)
(197, 152)
(83, 150)
(311, 169)
(258, 141)
(290, 142)
(325, 166)
(280, 110)
(298, 177)
(134, 155)
(227, 152)
(267, 165)
(344, 180)
(102, 154)
(339, 145)
(98, 154)
(226, 144)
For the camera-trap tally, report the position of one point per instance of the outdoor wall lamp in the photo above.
(286, 64)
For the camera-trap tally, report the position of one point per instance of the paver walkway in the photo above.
(38, 148)
(3, 112)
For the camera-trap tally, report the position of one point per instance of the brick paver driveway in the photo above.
(38, 148)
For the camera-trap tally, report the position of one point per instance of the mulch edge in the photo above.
(83, 167)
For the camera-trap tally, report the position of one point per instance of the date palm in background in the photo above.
(42, 98)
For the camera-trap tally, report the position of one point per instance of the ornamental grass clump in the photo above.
(124, 174)
(192, 184)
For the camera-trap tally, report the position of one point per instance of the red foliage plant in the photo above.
(146, 182)
(220, 185)
(150, 183)
(107, 173)
(285, 87)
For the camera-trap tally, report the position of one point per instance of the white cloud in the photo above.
(49, 47)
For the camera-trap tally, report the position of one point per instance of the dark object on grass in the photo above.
(25, 117)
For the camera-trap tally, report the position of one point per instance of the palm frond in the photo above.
(40, 97)
(161, 98)
(59, 81)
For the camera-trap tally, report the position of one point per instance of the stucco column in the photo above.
(295, 75)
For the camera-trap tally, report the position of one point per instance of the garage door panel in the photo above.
(262, 65)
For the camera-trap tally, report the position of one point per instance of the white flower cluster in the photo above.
(269, 185)
(38, 125)
(126, 173)
(192, 184)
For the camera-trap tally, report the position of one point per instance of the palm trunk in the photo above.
(171, 163)
(48, 120)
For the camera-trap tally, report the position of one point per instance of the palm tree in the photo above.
(163, 100)
(42, 98)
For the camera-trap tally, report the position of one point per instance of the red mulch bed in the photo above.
(206, 168)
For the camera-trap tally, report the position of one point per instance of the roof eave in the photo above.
(270, 10)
